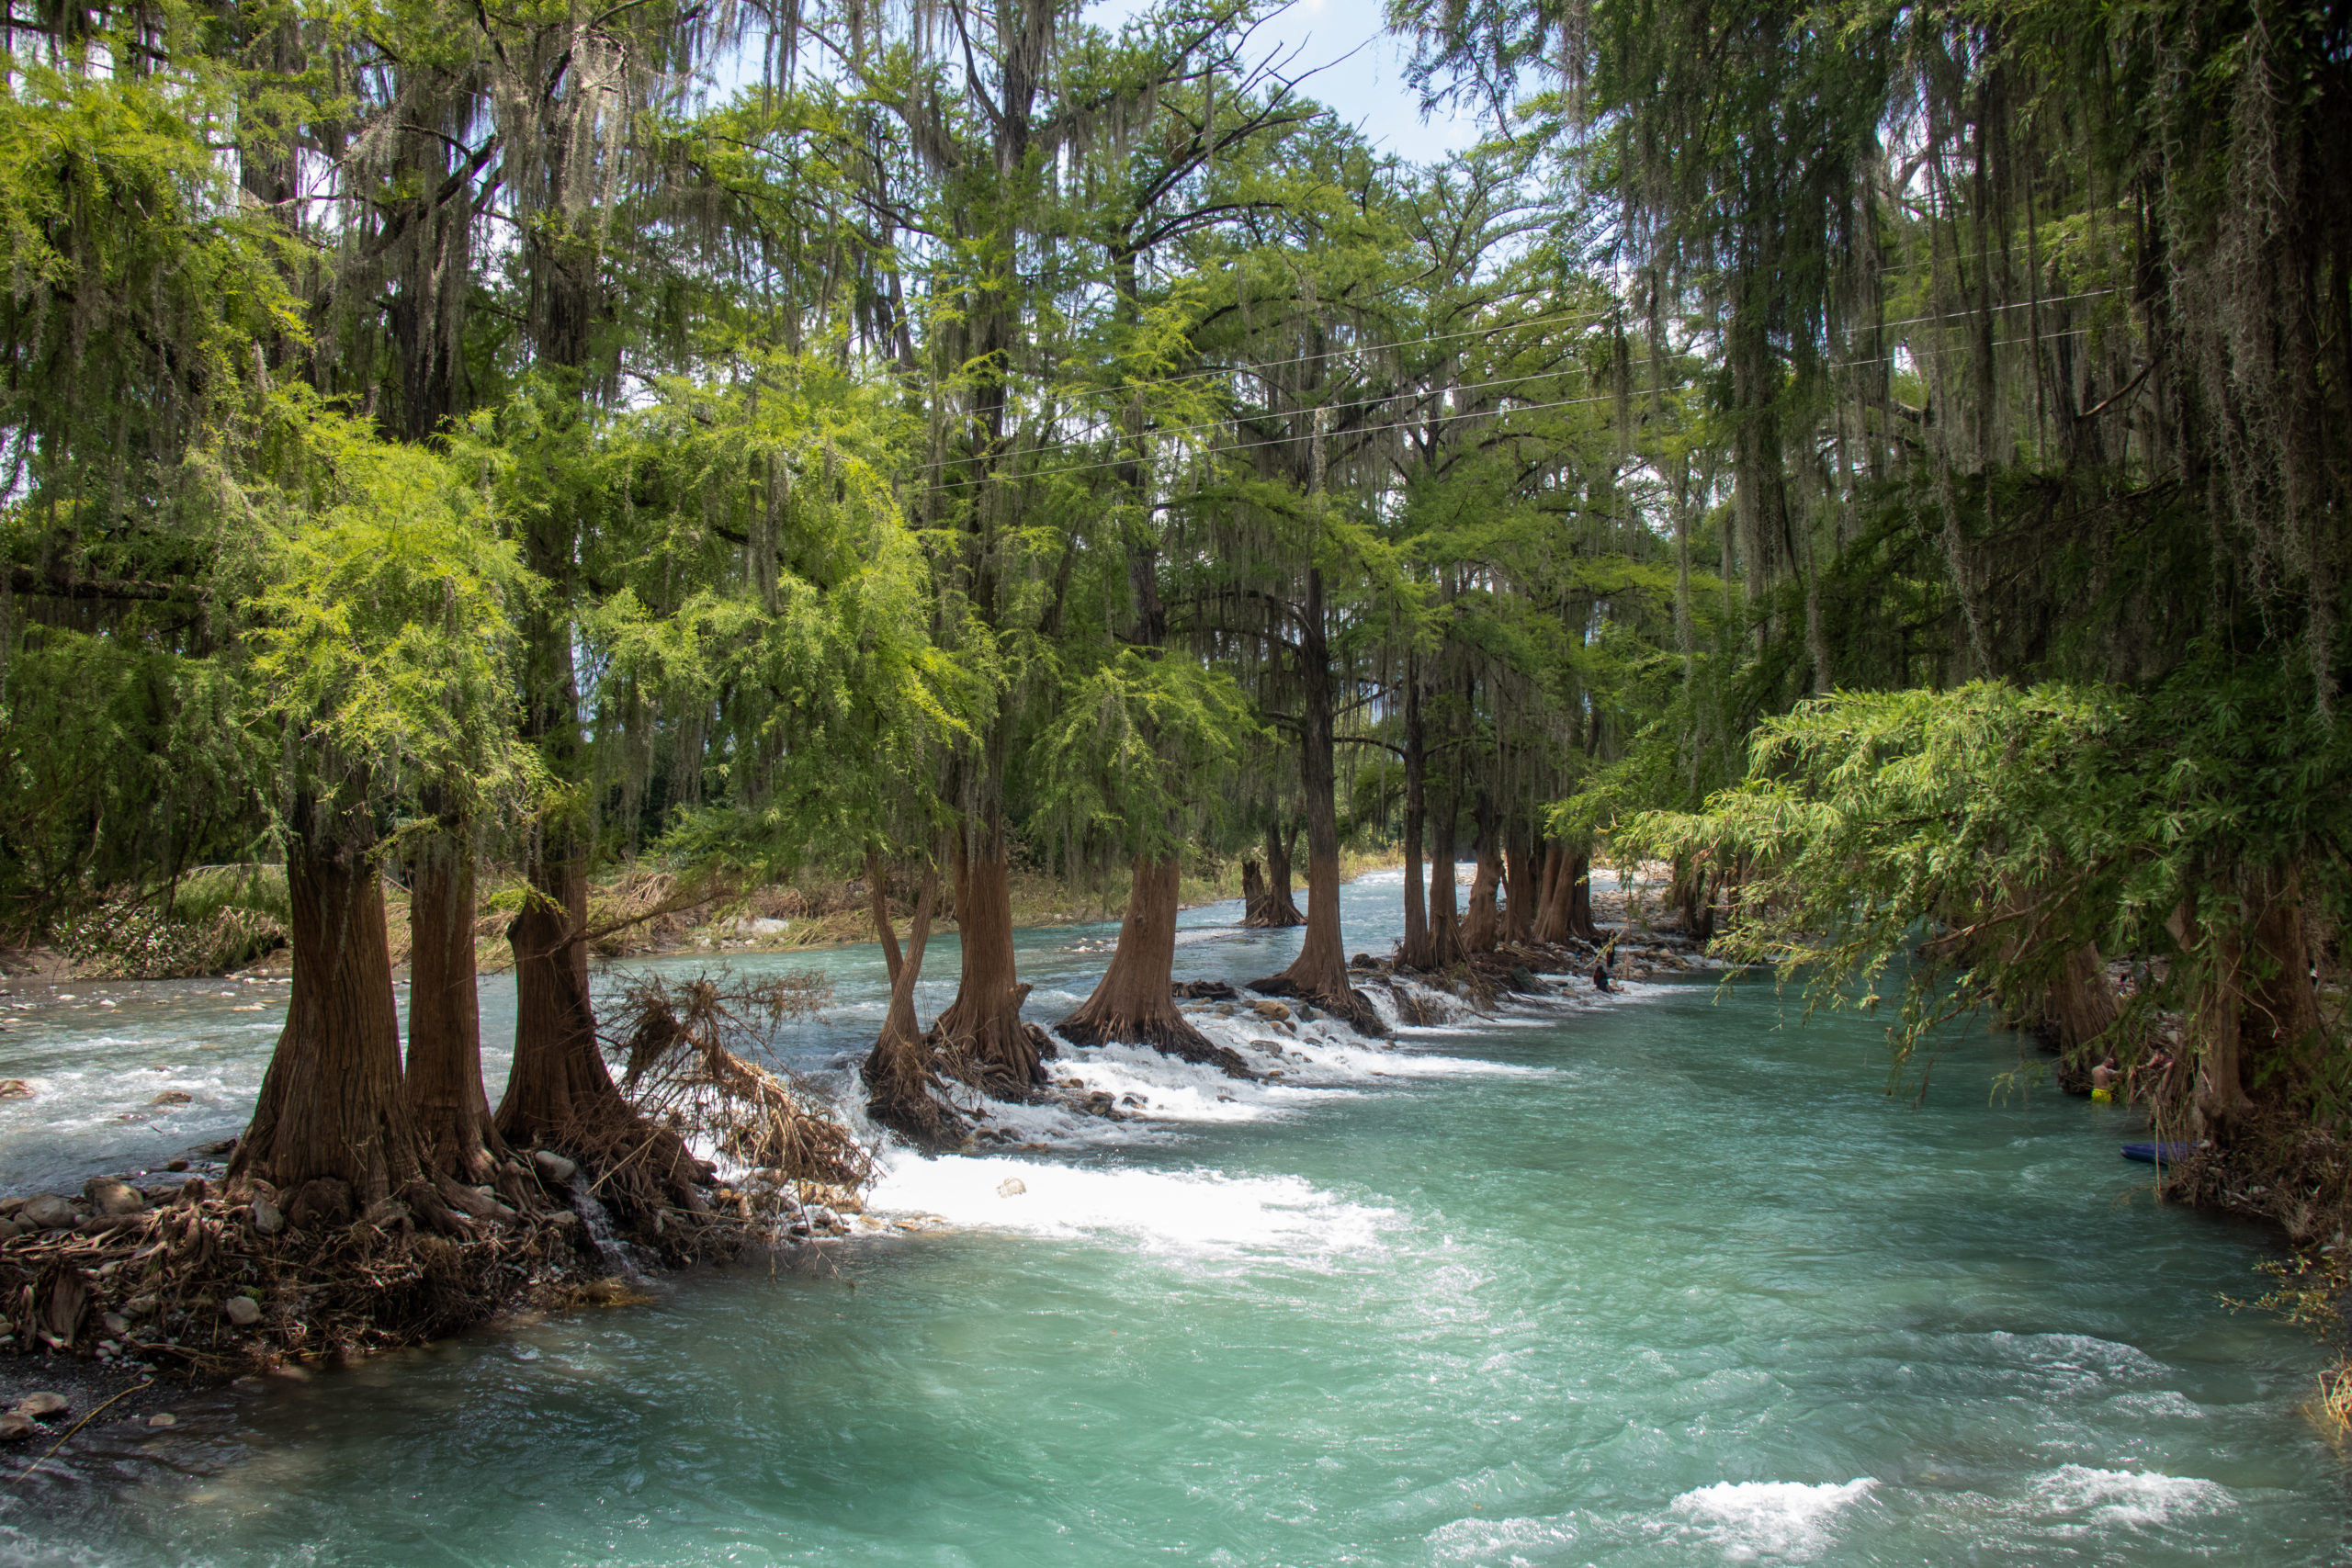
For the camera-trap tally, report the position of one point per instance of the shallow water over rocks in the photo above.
(1664, 1280)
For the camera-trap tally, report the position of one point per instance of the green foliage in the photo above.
(1140, 744)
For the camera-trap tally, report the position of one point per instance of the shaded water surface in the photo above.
(1668, 1281)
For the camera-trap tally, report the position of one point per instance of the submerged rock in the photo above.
(1011, 1186)
(41, 1406)
(15, 1088)
(1268, 1009)
(173, 1096)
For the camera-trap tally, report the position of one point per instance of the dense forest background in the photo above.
(1887, 462)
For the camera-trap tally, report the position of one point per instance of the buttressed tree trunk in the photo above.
(1520, 875)
(898, 1072)
(1480, 926)
(1445, 922)
(331, 1129)
(459, 1143)
(1253, 894)
(1551, 897)
(1319, 973)
(1274, 907)
(1581, 924)
(983, 1027)
(1135, 1001)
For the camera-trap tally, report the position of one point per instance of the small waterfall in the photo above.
(611, 1250)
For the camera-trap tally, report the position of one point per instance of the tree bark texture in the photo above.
(1133, 1001)
(1481, 926)
(1274, 907)
(1413, 952)
(1520, 875)
(982, 1030)
(331, 1129)
(1319, 973)
(459, 1143)
(900, 1083)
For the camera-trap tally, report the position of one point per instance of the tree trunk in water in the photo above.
(1480, 927)
(2082, 1004)
(1445, 922)
(1254, 904)
(982, 1029)
(1552, 896)
(1414, 952)
(459, 1143)
(330, 1128)
(897, 1073)
(1520, 875)
(1579, 900)
(1275, 907)
(1135, 1001)
(1319, 973)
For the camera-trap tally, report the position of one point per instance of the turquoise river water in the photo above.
(1664, 1280)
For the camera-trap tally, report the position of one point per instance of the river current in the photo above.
(1665, 1279)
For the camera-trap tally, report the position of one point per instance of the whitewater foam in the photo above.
(1780, 1519)
(1194, 1212)
(2135, 1498)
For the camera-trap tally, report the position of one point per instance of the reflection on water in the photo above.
(1662, 1281)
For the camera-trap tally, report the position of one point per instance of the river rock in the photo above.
(1306, 1014)
(141, 1306)
(1011, 1186)
(108, 1196)
(15, 1429)
(554, 1166)
(116, 1324)
(10, 1230)
(1268, 1009)
(268, 1221)
(173, 1096)
(15, 1088)
(162, 1418)
(42, 1405)
(46, 1212)
(176, 1165)
(243, 1311)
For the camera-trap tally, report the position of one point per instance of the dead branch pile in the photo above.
(214, 1283)
(685, 1054)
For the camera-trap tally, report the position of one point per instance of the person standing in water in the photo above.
(1601, 974)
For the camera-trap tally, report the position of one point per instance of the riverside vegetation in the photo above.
(1883, 465)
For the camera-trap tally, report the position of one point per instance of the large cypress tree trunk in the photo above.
(1551, 898)
(1520, 876)
(1133, 1001)
(459, 1144)
(1579, 900)
(331, 1129)
(1274, 909)
(1415, 950)
(1319, 973)
(1253, 894)
(1445, 920)
(982, 1029)
(1480, 927)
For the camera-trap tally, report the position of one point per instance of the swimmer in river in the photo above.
(1601, 974)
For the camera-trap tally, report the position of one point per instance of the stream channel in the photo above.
(1663, 1279)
